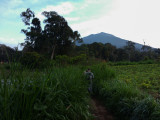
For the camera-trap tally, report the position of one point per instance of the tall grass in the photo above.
(132, 63)
(60, 93)
(124, 100)
(51, 94)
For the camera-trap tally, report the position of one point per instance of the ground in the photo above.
(99, 111)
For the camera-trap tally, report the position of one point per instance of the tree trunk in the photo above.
(52, 55)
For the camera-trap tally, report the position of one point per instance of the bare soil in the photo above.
(99, 111)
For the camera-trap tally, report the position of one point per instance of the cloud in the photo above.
(129, 19)
(89, 3)
(11, 8)
(64, 8)
(12, 42)
(72, 19)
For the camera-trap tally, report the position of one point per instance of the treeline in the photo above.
(57, 38)
(109, 52)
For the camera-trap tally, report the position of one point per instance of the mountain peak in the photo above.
(106, 34)
(103, 37)
(100, 34)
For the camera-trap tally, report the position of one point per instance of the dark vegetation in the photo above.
(124, 99)
(45, 80)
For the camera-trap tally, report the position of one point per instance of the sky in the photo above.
(134, 20)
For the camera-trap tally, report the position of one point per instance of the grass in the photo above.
(132, 63)
(58, 93)
(146, 77)
(126, 101)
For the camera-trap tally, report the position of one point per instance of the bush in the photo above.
(78, 59)
(32, 60)
(64, 59)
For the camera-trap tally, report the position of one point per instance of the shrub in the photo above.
(32, 60)
(62, 59)
(78, 59)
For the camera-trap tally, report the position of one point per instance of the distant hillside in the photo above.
(6, 52)
(106, 38)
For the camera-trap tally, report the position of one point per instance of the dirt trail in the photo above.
(99, 111)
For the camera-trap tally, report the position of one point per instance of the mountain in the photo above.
(106, 38)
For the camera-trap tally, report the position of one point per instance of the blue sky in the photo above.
(135, 20)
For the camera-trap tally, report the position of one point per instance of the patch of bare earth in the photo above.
(99, 111)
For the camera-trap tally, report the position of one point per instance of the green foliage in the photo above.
(63, 59)
(32, 60)
(56, 37)
(51, 94)
(147, 61)
(78, 59)
(123, 98)
(60, 93)
(143, 76)
(131, 63)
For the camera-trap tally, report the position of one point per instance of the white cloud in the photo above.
(15, 12)
(40, 16)
(72, 19)
(63, 9)
(129, 19)
(89, 3)
(12, 42)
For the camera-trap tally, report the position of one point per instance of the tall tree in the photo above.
(108, 52)
(33, 32)
(96, 49)
(57, 36)
(130, 48)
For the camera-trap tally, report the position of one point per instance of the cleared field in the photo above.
(119, 91)
(144, 76)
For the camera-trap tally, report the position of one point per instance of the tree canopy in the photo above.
(57, 37)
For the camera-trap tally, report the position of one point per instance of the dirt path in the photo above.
(99, 111)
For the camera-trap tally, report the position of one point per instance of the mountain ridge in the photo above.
(103, 37)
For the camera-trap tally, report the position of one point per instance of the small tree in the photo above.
(130, 48)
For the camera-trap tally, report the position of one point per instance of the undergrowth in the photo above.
(124, 100)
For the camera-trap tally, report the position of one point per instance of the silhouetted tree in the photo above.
(57, 36)
(58, 33)
(33, 41)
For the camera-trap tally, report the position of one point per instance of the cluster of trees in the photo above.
(56, 38)
(109, 52)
